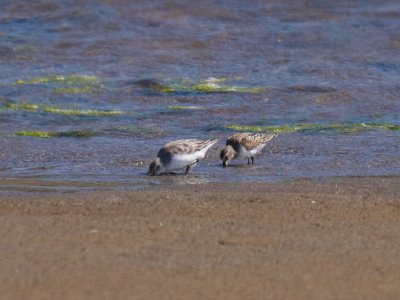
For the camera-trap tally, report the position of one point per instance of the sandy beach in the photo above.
(333, 239)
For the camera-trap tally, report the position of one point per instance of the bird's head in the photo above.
(155, 167)
(226, 155)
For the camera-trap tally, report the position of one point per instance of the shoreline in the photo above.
(33, 186)
(303, 239)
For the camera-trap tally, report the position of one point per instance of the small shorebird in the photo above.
(180, 154)
(241, 145)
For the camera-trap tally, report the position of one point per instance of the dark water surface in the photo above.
(90, 92)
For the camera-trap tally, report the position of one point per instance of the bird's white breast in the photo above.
(180, 161)
(248, 153)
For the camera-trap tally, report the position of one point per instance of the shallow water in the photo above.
(90, 92)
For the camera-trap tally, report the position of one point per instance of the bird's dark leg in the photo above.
(187, 170)
(252, 160)
(188, 167)
(248, 160)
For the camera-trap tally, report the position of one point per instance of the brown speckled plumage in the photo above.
(248, 140)
(244, 144)
(187, 146)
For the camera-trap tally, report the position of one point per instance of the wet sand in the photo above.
(333, 239)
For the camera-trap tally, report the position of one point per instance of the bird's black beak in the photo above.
(153, 171)
(224, 164)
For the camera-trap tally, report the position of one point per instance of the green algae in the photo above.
(11, 105)
(167, 89)
(64, 79)
(184, 107)
(55, 134)
(78, 90)
(22, 106)
(210, 85)
(34, 133)
(215, 88)
(383, 126)
(66, 84)
(86, 112)
(121, 131)
(272, 128)
(345, 128)
(77, 134)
